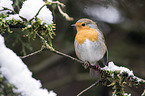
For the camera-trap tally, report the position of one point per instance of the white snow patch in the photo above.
(30, 9)
(112, 67)
(15, 16)
(6, 4)
(49, 0)
(125, 94)
(18, 74)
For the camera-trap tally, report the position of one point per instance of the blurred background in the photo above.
(123, 25)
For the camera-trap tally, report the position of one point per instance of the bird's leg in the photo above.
(86, 64)
(98, 66)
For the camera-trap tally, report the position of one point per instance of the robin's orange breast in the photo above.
(89, 33)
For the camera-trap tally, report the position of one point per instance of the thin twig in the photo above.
(67, 17)
(139, 79)
(32, 53)
(89, 87)
(60, 10)
(143, 94)
(47, 3)
(9, 9)
(38, 12)
(60, 53)
(57, 2)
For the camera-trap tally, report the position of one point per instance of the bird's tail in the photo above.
(95, 73)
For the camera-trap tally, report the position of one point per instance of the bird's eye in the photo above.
(83, 24)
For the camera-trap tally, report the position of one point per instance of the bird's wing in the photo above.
(105, 58)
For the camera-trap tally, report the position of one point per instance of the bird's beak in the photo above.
(73, 25)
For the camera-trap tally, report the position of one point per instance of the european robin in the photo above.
(90, 43)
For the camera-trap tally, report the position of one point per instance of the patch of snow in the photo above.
(112, 67)
(15, 16)
(31, 7)
(6, 4)
(18, 74)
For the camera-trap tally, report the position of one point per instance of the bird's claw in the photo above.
(98, 66)
(86, 65)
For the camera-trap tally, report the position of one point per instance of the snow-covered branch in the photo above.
(18, 74)
(116, 77)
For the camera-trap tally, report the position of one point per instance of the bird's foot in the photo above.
(86, 64)
(98, 66)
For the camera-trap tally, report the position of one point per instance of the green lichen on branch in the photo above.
(13, 36)
(47, 31)
(118, 80)
(17, 31)
(4, 27)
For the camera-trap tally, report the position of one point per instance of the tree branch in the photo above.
(67, 17)
(9, 9)
(60, 10)
(38, 51)
(89, 87)
(48, 47)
